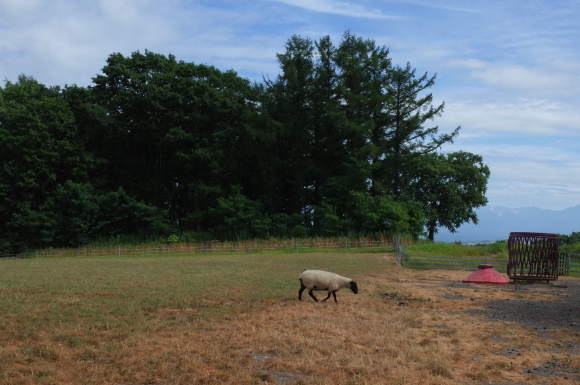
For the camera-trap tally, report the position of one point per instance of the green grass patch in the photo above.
(429, 255)
(103, 311)
(127, 293)
(452, 250)
(574, 248)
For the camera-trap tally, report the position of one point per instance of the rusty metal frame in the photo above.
(533, 256)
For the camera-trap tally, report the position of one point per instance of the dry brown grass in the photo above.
(227, 335)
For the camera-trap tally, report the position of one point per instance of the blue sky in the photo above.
(507, 70)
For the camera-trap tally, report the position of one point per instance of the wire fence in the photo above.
(219, 247)
(569, 263)
(463, 263)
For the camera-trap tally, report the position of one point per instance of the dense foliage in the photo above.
(570, 243)
(339, 143)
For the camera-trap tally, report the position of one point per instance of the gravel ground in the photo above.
(550, 311)
(564, 312)
(542, 317)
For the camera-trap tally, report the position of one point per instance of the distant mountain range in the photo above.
(496, 223)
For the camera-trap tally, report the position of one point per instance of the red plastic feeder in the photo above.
(486, 274)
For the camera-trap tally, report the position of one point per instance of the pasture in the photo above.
(235, 319)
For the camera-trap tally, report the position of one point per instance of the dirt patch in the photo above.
(542, 316)
(549, 312)
(550, 320)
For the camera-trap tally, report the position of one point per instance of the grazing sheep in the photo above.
(323, 280)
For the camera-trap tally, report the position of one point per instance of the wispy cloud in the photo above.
(540, 118)
(522, 174)
(341, 8)
(446, 6)
(556, 78)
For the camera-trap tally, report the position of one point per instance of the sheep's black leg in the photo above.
(312, 295)
(326, 297)
(302, 287)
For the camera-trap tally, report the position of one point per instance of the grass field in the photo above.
(235, 319)
(498, 249)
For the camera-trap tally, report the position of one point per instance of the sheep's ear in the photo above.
(354, 287)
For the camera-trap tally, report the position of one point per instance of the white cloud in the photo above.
(536, 171)
(63, 39)
(539, 174)
(446, 6)
(14, 11)
(557, 78)
(530, 146)
(530, 117)
(340, 8)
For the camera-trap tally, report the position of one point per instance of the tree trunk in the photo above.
(431, 235)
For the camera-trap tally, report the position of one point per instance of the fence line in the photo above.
(574, 260)
(569, 263)
(463, 263)
(218, 247)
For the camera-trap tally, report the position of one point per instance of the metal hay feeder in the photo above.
(533, 256)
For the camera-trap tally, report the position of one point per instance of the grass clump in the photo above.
(456, 250)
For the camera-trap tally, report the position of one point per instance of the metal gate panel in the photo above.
(533, 256)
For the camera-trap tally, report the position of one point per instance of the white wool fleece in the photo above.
(324, 281)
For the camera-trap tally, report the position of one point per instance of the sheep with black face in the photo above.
(318, 280)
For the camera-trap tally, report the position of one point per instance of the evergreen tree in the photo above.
(348, 121)
(290, 106)
(407, 138)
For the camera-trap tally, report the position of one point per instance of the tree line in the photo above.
(340, 142)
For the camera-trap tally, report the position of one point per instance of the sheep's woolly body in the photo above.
(318, 280)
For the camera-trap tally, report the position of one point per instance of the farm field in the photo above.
(235, 319)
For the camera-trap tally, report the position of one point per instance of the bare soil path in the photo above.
(544, 318)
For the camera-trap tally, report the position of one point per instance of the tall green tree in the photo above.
(407, 138)
(182, 133)
(50, 190)
(347, 120)
(39, 150)
(363, 73)
(321, 104)
(290, 106)
(236, 216)
(380, 214)
(450, 187)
